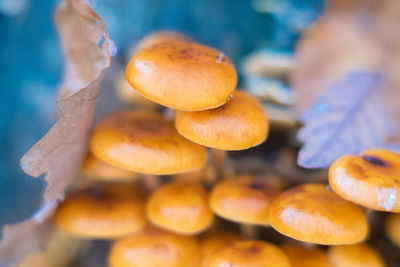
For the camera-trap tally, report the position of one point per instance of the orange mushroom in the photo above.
(249, 253)
(371, 179)
(312, 213)
(301, 256)
(392, 228)
(239, 124)
(243, 199)
(145, 142)
(155, 248)
(357, 255)
(181, 207)
(97, 169)
(212, 242)
(104, 211)
(182, 76)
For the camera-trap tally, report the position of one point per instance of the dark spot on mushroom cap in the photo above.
(254, 249)
(375, 160)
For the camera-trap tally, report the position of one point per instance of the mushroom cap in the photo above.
(159, 37)
(145, 142)
(249, 253)
(127, 94)
(104, 211)
(182, 76)
(155, 248)
(212, 242)
(357, 255)
(392, 228)
(239, 124)
(180, 207)
(97, 169)
(243, 199)
(301, 256)
(312, 213)
(371, 179)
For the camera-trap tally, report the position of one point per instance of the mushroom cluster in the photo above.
(149, 185)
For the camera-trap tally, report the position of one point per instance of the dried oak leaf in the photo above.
(347, 82)
(59, 154)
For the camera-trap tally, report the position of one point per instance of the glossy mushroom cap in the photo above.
(239, 124)
(249, 253)
(145, 142)
(213, 242)
(155, 248)
(97, 169)
(312, 213)
(392, 228)
(127, 94)
(244, 199)
(105, 211)
(182, 76)
(180, 207)
(159, 38)
(358, 255)
(371, 179)
(301, 256)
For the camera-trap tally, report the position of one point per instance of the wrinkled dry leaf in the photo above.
(59, 154)
(350, 37)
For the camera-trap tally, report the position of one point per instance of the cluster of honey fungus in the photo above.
(163, 194)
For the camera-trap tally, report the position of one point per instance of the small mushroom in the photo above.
(97, 169)
(159, 38)
(244, 199)
(313, 213)
(371, 179)
(182, 76)
(248, 254)
(104, 211)
(212, 242)
(301, 256)
(357, 255)
(155, 248)
(239, 124)
(145, 142)
(392, 228)
(181, 207)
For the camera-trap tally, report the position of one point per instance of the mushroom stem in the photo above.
(249, 231)
(169, 114)
(219, 160)
(151, 181)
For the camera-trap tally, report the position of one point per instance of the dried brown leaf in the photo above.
(59, 154)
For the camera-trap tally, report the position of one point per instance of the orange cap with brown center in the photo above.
(301, 256)
(155, 248)
(244, 199)
(357, 255)
(392, 228)
(213, 242)
(145, 142)
(250, 253)
(371, 180)
(181, 207)
(104, 211)
(97, 169)
(312, 213)
(239, 124)
(159, 38)
(182, 76)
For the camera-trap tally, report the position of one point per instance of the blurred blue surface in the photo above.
(32, 64)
